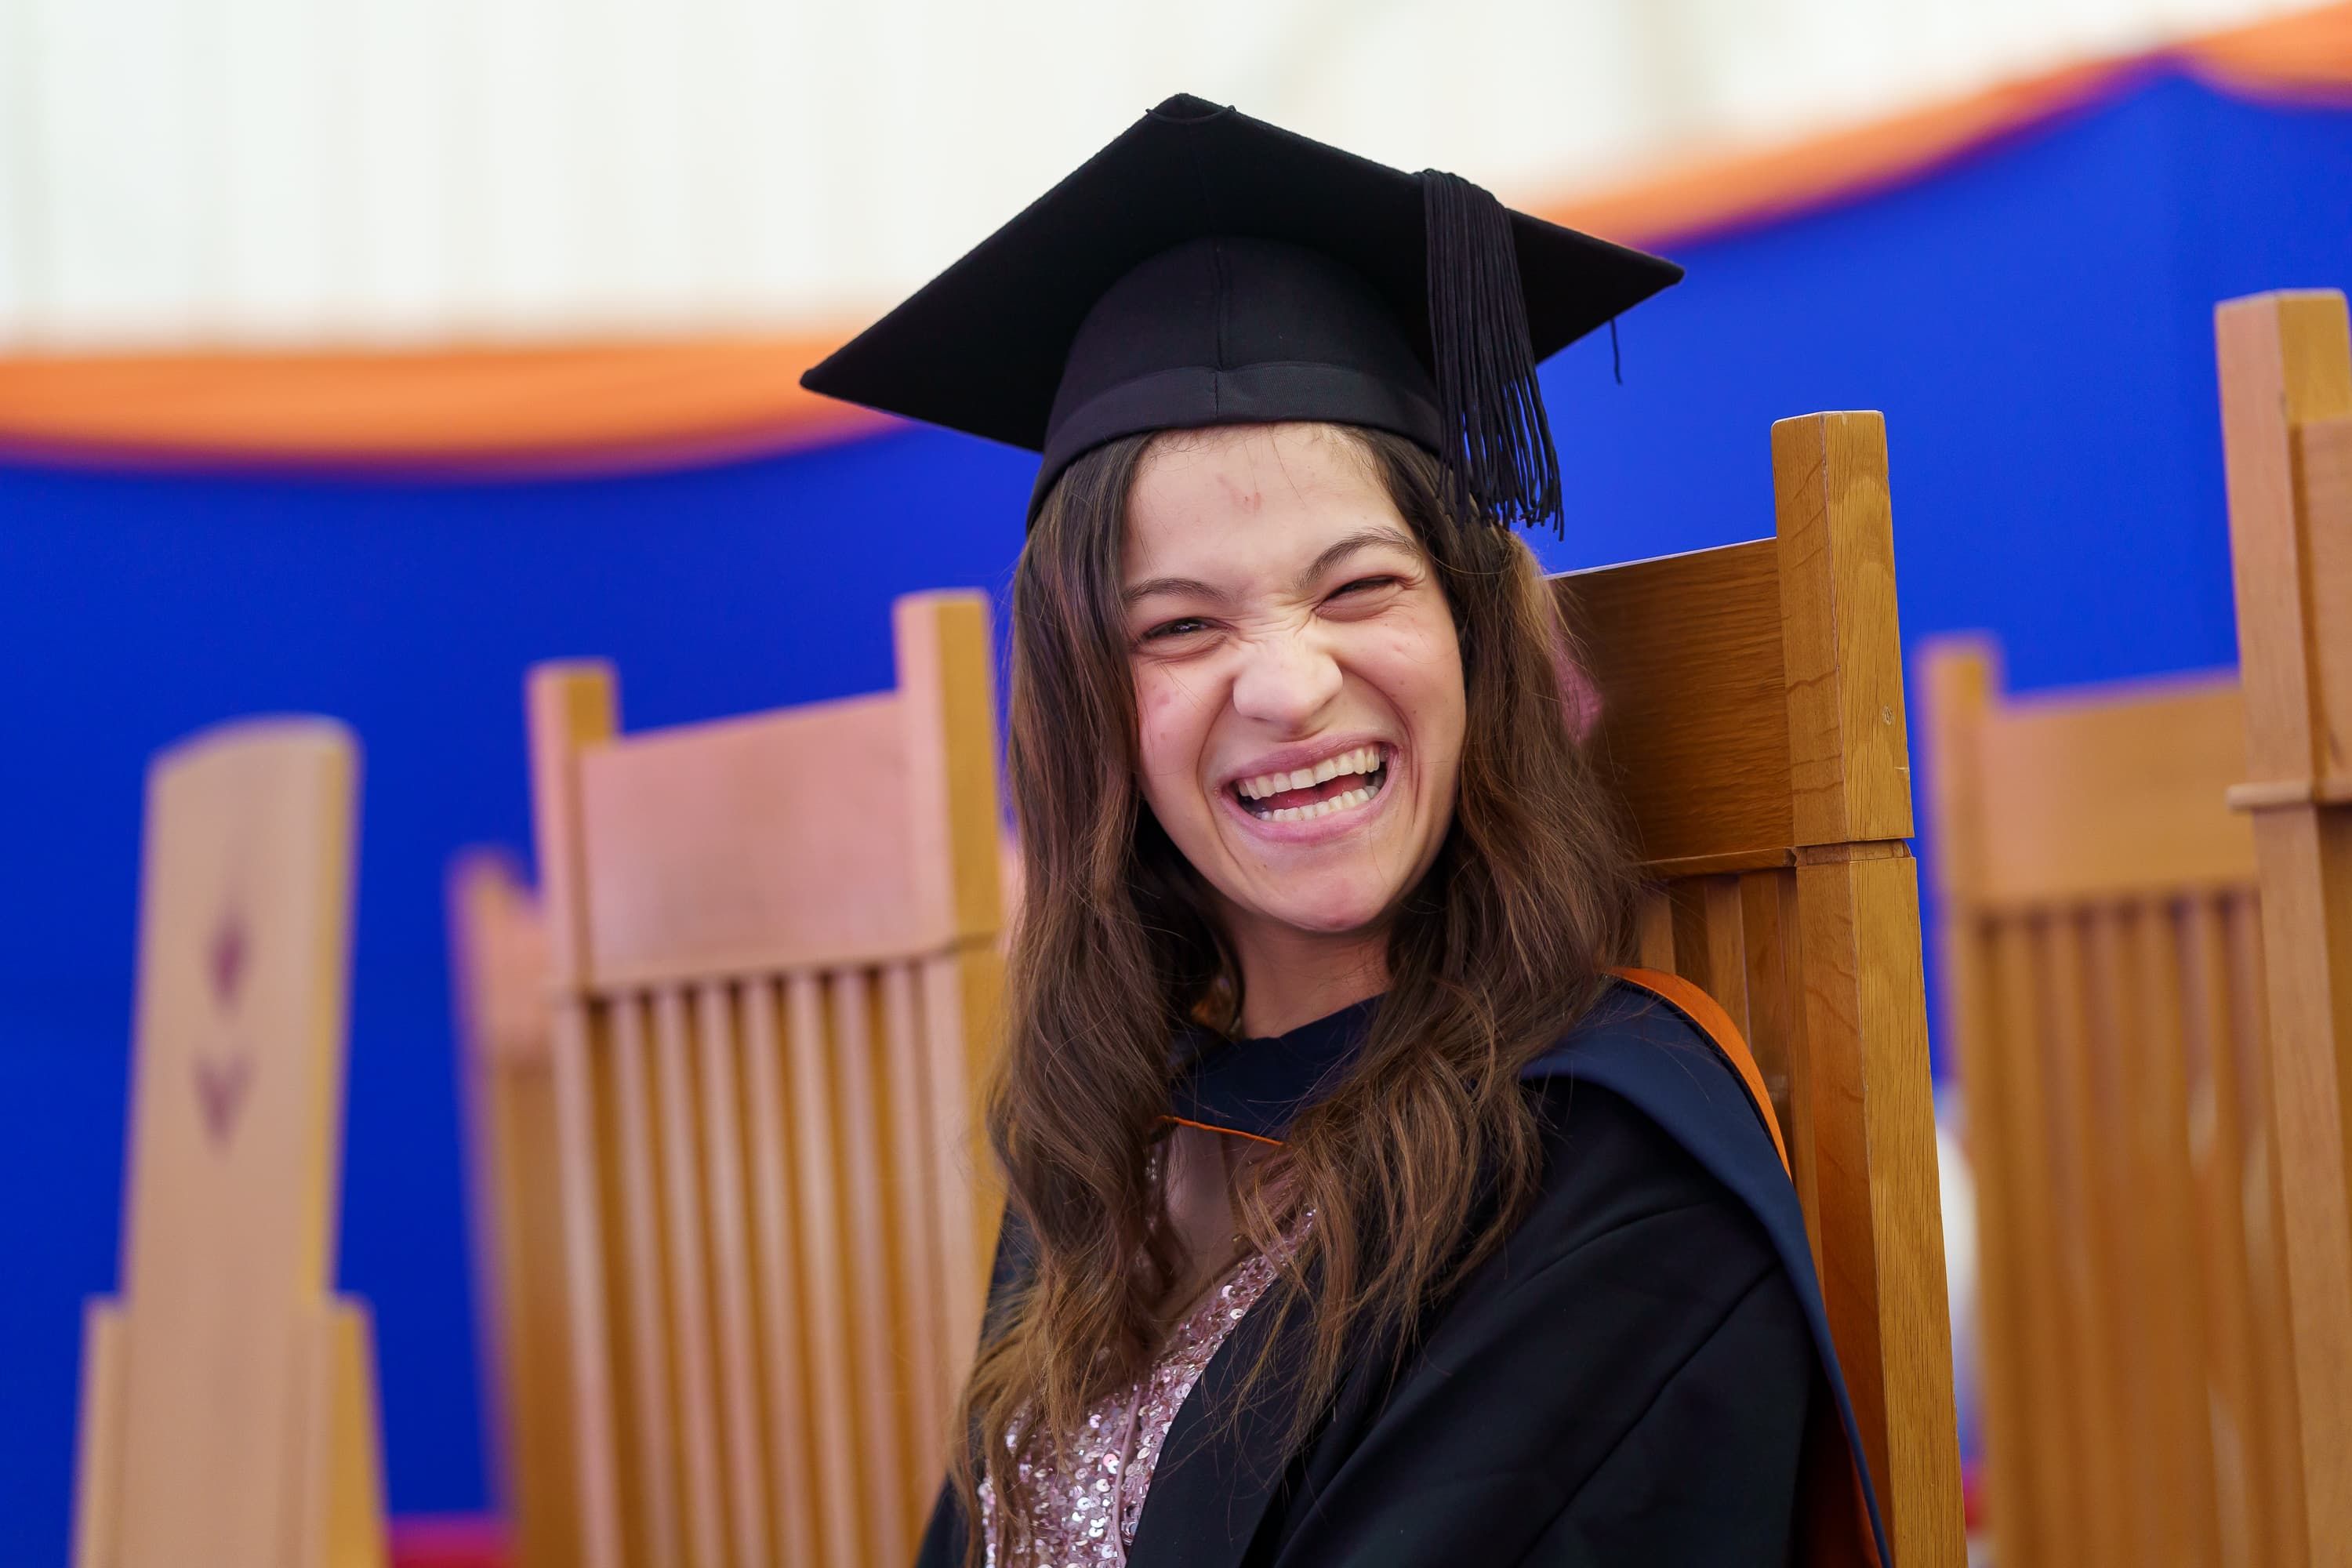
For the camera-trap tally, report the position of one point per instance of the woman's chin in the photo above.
(1326, 910)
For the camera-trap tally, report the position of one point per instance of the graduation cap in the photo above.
(1209, 269)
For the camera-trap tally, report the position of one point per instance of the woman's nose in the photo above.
(1286, 681)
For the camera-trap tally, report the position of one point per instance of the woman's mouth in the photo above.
(1334, 785)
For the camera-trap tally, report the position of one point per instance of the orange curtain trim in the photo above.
(567, 408)
(622, 406)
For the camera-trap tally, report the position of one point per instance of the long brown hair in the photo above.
(1426, 1156)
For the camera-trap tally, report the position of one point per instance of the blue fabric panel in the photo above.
(2034, 320)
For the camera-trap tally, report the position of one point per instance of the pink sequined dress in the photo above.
(1086, 1506)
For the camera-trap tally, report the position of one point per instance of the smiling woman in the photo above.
(1298, 697)
(1330, 1240)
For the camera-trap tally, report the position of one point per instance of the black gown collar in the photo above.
(1257, 1087)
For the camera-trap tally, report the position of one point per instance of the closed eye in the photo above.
(1365, 585)
(1183, 625)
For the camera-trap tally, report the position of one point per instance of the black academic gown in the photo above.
(1632, 1378)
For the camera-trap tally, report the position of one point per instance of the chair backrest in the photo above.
(506, 1090)
(2286, 416)
(772, 960)
(2103, 979)
(225, 1422)
(1750, 698)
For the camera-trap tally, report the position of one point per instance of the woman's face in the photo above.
(1297, 679)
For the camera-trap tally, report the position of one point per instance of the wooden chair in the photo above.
(1751, 703)
(772, 961)
(2103, 950)
(506, 1092)
(2286, 414)
(2149, 998)
(228, 1405)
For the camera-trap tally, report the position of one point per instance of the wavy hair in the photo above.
(1428, 1152)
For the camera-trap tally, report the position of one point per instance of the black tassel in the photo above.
(1503, 464)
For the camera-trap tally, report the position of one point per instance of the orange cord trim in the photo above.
(1708, 1014)
(630, 406)
(1228, 1132)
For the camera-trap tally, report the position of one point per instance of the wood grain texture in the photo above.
(1881, 1245)
(1695, 636)
(2306, 910)
(2323, 468)
(2286, 393)
(1849, 758)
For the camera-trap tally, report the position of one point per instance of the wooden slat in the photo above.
(2056, 1458)
(2123, 1254)
(825, 1274)
(794, 1432)
(865, 1231)
(921, 1269)
(654, 1448)
(697, 1410)
(961, 996)
(744, 1449)
(2152, 1061)
(1654, 927)
(2241, 1462)
(2005, 1276)
(2082, 1135)
(2261, 1198)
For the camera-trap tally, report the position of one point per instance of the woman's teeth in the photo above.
(1362, 760)
(1354, 798)
(1366, 763)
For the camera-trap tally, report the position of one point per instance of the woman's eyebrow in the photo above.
(1190, 587)
(1362, 539)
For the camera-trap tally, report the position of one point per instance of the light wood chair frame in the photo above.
(1751, 709)
(797, 908)
(2286, 414)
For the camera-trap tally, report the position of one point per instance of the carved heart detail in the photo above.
(227, 957)
(221, 1089)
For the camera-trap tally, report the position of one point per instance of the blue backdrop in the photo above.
(2035, 322)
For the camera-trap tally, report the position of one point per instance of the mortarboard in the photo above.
(1209, 269)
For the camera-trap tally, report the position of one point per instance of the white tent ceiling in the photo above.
(207, 172)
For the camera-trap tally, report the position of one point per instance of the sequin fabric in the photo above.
(1074, 1525)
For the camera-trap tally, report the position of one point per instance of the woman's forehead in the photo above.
(1248, 499)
